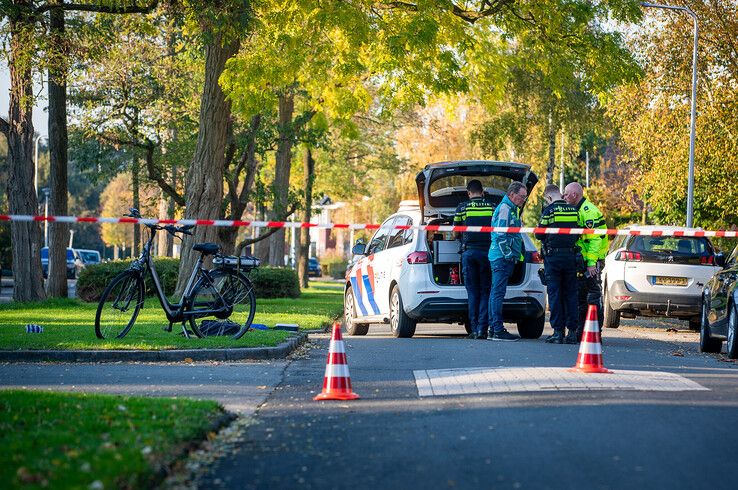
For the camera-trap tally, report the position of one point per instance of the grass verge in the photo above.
(69, 324)
(70, 440)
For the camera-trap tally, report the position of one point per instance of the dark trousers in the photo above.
(590, 293)
(561, 285)
(477, 280)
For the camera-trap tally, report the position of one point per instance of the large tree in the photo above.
(24, 18)
(653, 116)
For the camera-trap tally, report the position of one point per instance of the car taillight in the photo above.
(418, 258)
(708, 260)
(626, 255)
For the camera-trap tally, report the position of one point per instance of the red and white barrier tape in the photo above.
(365, 226)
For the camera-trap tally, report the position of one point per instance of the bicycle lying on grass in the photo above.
(222, 292)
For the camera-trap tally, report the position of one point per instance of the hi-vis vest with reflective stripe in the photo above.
(475, 212)
(558, 214)
(594, 247)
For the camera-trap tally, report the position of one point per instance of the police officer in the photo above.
(560, 266)
(594, 249)
(477, 211)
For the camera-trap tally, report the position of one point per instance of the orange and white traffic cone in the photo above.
(337, 382)
(589, 359)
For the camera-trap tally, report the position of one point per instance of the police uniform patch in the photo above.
(589, 223)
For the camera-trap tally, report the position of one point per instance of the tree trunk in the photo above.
(170, 215)
(551, 165)
(56, 286)
(136, 192)
(281, 184)
(26, 237)
(239, 198)
(204, 184)
(304, 245)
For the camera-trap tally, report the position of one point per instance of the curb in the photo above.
(237, 354)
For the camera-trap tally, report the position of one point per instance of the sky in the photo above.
(40, 116)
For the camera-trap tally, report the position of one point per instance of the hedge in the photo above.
(334, 267)
(93, 279)
(269, 282)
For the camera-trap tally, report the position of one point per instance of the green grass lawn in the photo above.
(69, 440)
(69, 324)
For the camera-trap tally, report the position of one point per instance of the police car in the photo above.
(404, 276)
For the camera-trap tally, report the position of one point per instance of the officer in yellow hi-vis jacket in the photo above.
(593, 248)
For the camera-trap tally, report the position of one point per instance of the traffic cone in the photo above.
(589, 359)
(337, 382)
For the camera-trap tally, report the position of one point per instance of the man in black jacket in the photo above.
(477, 211)
(560, 265)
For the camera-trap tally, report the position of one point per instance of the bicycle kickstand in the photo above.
(185, 331)
(168, 328)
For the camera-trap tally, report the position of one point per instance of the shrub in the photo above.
(94, 279)
(334, 266)
(275, 282)
(269, 282)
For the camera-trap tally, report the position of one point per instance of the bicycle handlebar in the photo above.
(185, 230)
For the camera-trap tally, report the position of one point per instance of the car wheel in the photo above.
(402, 325)
(349, 315)
(707, 343)
(611, 317)
(532, 328)
(732, 343)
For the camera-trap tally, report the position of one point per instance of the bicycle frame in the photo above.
(175, 312)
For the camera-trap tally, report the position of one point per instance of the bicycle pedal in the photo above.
(167, 328)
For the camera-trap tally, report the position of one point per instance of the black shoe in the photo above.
(556, 338)
(473, 336)
(503, 336)
(482, 335)
(571, 338)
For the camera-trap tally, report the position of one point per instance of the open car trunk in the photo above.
(445, 256)
(442, 186)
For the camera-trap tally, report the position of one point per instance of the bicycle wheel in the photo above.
(230, 292)
(119, 306)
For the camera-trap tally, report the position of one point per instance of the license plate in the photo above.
(670, 281)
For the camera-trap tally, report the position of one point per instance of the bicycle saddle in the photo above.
(206, 248)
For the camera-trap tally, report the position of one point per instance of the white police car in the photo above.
(404, 276)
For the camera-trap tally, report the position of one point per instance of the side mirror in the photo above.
(358, 249)
(720, 260)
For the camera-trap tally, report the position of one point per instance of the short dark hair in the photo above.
(475, 186)
(514, 188)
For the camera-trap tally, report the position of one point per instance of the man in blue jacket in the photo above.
(505, 251)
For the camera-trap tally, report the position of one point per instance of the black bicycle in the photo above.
(224, 292)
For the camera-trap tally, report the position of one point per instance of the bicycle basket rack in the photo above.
(245, 262)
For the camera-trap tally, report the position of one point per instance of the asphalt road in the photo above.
(393, 438)
(6, 289)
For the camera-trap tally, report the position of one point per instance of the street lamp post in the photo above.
(35, 164)
(690, 181)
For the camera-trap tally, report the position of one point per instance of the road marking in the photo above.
(470, 381)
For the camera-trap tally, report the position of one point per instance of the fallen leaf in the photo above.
(678, 353)
(672, 330)
(188, 359)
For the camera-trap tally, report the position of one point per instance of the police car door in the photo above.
(393, 257)
(371, 273)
